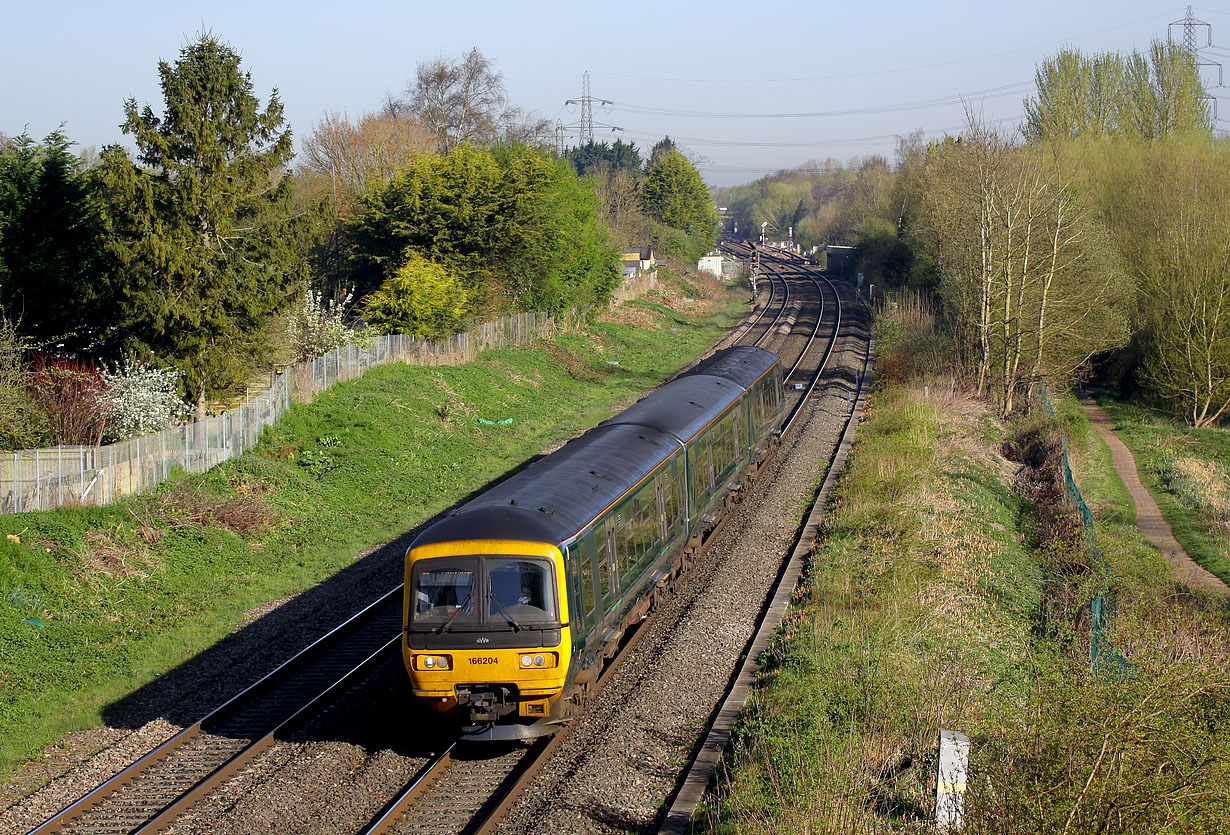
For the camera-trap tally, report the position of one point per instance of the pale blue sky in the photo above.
(76, 62)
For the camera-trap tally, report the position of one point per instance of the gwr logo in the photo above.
(483, 640)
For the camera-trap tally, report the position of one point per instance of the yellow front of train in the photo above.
(486, 635)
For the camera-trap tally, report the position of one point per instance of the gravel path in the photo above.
(1149, 517)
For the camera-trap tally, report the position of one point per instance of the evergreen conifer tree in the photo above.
(202, 222)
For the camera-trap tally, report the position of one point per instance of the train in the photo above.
(514, 601)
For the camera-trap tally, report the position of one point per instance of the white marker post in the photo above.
(950, 783)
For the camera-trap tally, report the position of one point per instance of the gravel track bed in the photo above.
(623, 762)
(334, 775)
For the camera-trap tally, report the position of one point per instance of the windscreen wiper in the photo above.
(516, 626)
(448, 624)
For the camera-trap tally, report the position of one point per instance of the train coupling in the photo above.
(487, 703)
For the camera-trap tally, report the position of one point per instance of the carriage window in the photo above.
(587, 582)
(604, 560)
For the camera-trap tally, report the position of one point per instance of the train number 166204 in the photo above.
(483, 659)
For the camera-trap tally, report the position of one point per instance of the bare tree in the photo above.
(1029, 272)
(359, 156)
(463, 101)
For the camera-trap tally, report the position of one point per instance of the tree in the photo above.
(208, 249)
(613, 157)
(360, 156)
(1029, 272)
(675, 195)
(52, 266)
(1169, 204)
(463, 101)
(1140, 96)
(518, 226)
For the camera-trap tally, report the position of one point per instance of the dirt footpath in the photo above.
(1148, 517)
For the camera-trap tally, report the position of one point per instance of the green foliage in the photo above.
(824, 203)
(209, 252)
(1168, 204)
(52, 265)
(518, 226)
(1139, 97)
(21, 424)
(675, 194)
(881, 255)
(420, 298)
(585, 158)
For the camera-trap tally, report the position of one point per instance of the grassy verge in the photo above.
(940, 597)
(96, 602)
(1186, 471)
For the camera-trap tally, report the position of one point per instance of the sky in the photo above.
(745, 88)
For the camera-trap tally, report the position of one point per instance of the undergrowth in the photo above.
(952, 590)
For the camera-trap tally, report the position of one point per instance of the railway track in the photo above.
(148, 795)
(457, 808)
(151, 793)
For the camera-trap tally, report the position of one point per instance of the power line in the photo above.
(823, 143)
(887, 71)
(942, 101)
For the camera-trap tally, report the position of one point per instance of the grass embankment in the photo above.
(96, 602)
(941, 597)
(1186, 470)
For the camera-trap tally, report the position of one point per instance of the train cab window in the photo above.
(519, 590)
(444, 590)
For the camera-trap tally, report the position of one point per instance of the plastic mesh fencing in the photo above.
(1102, 654)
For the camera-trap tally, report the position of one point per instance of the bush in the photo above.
(21, 425)
(139, 400)
(421, 298)
(316, 327)
(71, 395)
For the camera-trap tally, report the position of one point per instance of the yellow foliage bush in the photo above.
(421, 297)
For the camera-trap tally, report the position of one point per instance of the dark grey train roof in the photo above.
(744, 364)
(682, 407)
(557, 496)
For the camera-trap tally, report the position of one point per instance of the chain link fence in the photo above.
(44, 479)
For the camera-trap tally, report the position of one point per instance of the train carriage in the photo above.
(525, 590)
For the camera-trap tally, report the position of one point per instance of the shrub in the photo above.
(421, 297)
(71, 395)
(139, 399)
(21, 425)
(317, 327)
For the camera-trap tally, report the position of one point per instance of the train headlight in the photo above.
(544, 660)
(432, 662)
